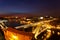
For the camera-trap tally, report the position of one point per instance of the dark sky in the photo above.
(43, 7)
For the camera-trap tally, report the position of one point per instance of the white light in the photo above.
(16, 17)
(51, 17)
(41, 17)
(28, 19)
(53, 32)
(49, 30)
(58, 33)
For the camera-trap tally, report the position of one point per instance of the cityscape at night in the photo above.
(29, 19)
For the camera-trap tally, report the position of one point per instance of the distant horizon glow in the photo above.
(45, 7)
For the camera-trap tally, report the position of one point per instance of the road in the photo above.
(40, 27)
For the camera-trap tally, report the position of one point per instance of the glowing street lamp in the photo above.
(41, 17)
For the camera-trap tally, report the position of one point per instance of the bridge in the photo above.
(40, 26)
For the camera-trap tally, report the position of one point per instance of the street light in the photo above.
(41, 17)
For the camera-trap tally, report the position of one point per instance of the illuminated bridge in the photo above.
(40, 27)
(37, 28)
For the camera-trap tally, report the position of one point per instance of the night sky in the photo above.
(42, 7)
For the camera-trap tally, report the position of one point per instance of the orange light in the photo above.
(14, 37)
(12, 34)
